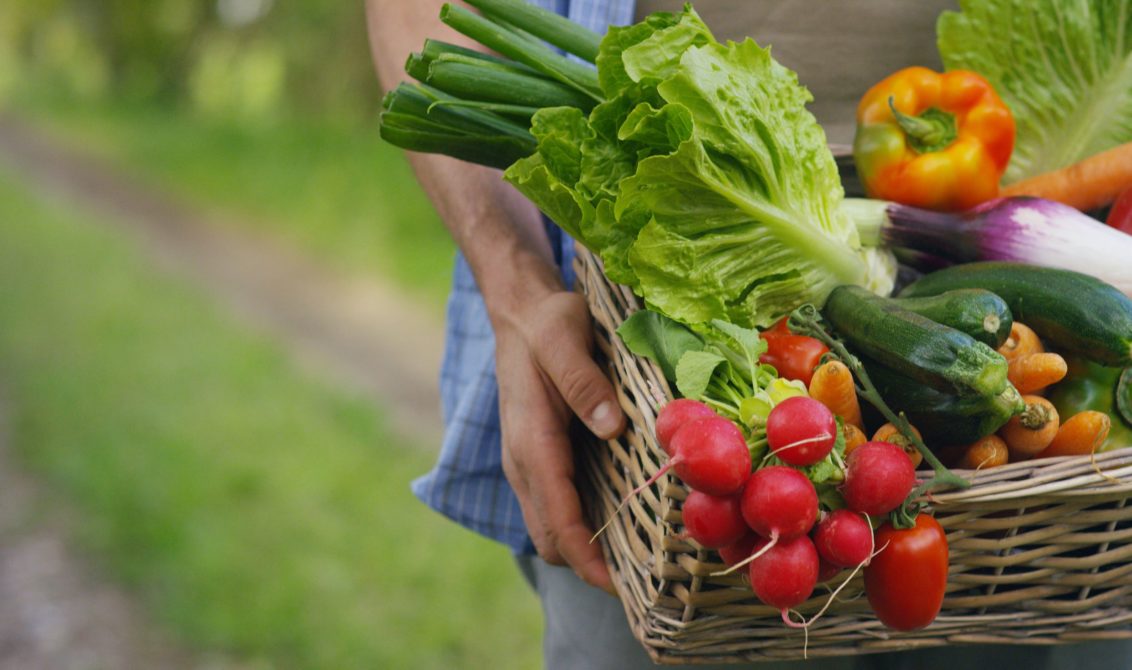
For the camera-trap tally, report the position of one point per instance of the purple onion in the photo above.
(1021, 229)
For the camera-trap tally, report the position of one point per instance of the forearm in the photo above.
(543, 334)
(499, 231)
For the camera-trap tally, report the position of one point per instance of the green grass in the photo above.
(338, 192)
(256, 511)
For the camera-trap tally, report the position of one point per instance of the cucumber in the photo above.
(980, 313)
(1073, 312)
(929, 352)
(944, 419)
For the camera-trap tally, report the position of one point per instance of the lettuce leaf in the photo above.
(702, 182)
(745, 224)
(1063, 68)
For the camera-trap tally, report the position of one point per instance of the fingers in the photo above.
(541, 472)
(552, 511)
(556, 500)
(563, 347)
(538, 461)
(547, 374)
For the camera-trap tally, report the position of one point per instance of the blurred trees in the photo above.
(254, 58)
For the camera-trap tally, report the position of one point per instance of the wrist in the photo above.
(516, 283)
(504, 240)
(500, 233)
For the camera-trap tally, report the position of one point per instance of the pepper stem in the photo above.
(933, 130)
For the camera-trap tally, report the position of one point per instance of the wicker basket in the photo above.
(1041, 552)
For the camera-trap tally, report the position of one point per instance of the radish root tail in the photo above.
(632, 494)
(749, 559)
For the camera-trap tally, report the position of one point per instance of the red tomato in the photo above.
(1120, 216)
(905, 582)
(780, 327)
(794, 356)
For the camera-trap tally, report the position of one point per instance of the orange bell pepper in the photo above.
(932, 140)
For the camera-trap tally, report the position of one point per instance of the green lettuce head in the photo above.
(703, 182)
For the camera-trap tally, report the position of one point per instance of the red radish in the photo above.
(826, 570)
(738, 551)
(713, 521)
(710, 455)
(675, 414)
(878, 477)
(785, 575)
(801, 431)
(844, 538)
(779, 502)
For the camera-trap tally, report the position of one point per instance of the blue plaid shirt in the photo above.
(467, 484)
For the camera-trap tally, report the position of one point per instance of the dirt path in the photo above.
(56, 613)
(357, 332)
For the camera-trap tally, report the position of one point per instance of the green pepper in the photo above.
(1088, 385)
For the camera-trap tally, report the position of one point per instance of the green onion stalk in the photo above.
(477, 106)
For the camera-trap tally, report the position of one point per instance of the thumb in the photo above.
(568, 361)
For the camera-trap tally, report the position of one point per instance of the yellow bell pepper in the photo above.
(932, 140)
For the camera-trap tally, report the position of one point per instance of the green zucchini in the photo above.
(929, 352)
(944, 419)
(1072, 312)
(980, 313)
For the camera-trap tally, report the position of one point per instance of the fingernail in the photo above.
(604, 420)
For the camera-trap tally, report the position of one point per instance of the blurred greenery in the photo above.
(258, 511)
(246, 58)
(334, 190)
(270, 115)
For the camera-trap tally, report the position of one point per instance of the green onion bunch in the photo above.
(477, 106)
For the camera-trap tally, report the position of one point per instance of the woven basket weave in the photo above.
(1041, 552)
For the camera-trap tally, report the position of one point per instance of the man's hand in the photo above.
(543, 333)
(547, 375)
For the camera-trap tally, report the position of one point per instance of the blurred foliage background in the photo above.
(257, 512)
(268, 109)
(250, 58)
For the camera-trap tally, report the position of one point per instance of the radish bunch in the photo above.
(769, 518)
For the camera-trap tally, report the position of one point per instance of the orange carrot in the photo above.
(1022, 341)
(1082, 433)
(890, 433)
(854, 437)
(1090, 183)
(1031, 431)
(987, 452)
(1033, 372)
(832, 385)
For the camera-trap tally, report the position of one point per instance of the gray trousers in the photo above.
(586, 629)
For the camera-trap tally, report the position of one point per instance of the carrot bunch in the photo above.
(1039, 432)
